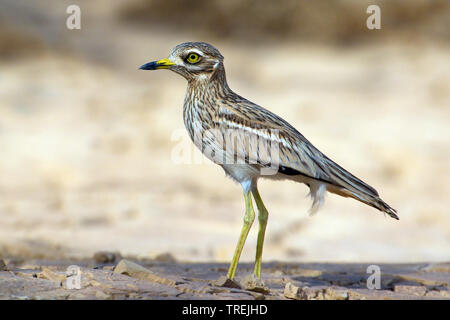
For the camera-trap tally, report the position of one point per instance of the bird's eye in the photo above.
(192, 58)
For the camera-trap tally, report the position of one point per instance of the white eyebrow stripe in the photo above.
(196, 51)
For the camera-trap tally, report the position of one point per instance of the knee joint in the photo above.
(249, 218)
(263, 216)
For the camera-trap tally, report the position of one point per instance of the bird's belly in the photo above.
(241, 172)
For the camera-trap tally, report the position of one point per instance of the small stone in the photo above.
(357, 295)
(291, 291)
(107, 257)
(2, 265)
(132, 269)
(438, 294)
(139, 272)
(95, 283)
(225, 282)
(252, 283)
(50, 275)
(29, 273)
(259, 296)
(165, 257)
(102, 295)
(336, 293)
(410, 290)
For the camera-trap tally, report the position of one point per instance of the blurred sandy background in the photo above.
(86, 139)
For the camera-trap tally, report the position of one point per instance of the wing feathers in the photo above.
(296, 154)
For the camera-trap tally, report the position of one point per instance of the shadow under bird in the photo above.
(250, 142)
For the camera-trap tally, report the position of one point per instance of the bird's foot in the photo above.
(226, 282)
(253, 283)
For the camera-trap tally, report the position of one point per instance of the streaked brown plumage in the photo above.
(215, 117)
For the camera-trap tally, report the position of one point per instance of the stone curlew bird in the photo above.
(250, 142)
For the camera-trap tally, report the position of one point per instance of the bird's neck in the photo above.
(209, 86)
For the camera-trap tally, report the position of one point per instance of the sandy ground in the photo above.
(88, 163)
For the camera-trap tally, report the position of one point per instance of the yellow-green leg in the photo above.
(253, 282)
(263, 215)
(248, 221)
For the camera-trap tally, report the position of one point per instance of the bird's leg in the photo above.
(248, 221)
(253, 282)
(263, 215)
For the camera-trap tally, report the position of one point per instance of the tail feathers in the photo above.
(358, 189)
(345, 179)
(376, 202)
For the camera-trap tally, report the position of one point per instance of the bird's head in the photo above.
(196, 61)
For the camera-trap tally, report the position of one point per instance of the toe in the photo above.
(226, 282)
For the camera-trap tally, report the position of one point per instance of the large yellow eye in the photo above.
(192, 58)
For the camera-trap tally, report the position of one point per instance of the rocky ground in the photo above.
(90, 144)
(109, 276)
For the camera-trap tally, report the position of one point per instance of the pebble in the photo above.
(107, 257)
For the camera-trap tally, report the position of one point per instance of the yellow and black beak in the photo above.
(160, 64)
